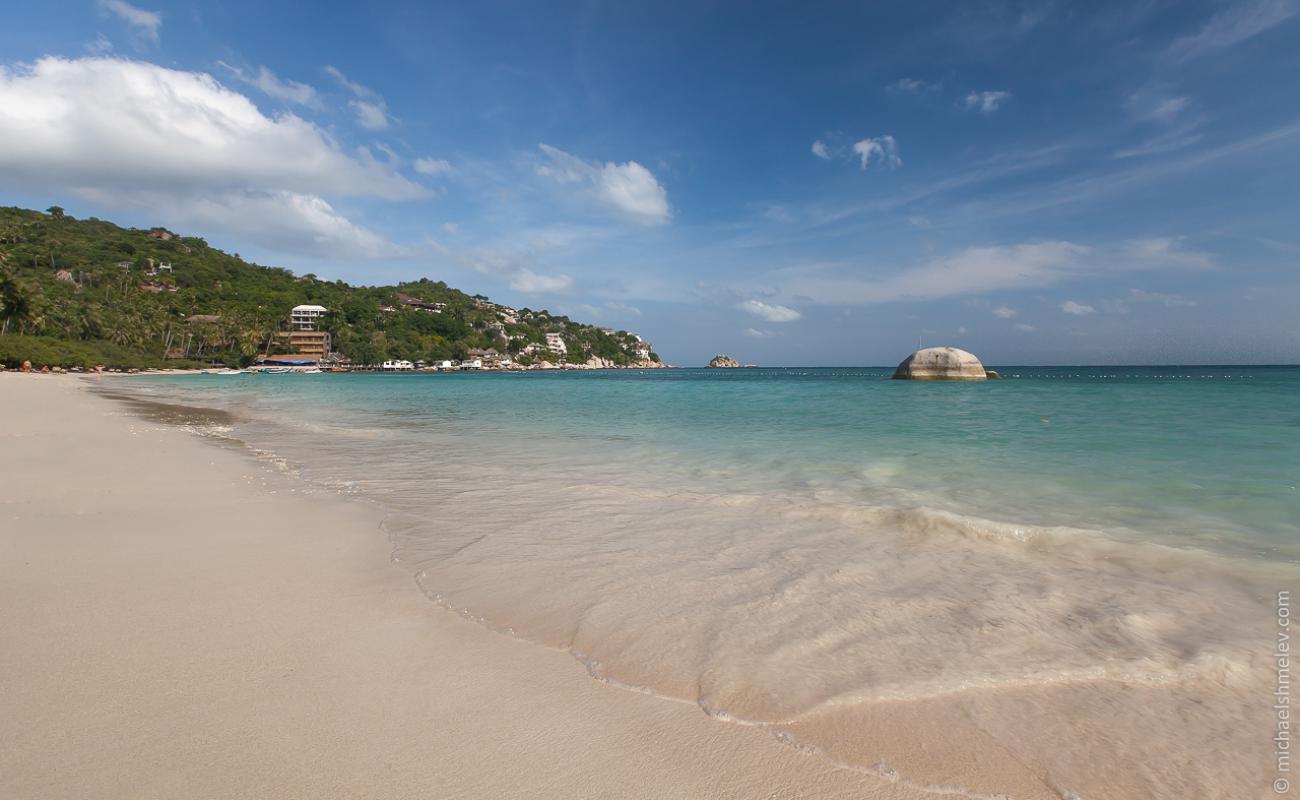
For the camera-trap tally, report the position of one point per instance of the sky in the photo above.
(787, 183)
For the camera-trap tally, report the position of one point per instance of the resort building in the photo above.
(555, 343)
(302, 339)
(303, 318)
(397, 366)
(308, 344)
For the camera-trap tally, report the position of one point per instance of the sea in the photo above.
(1070, 567)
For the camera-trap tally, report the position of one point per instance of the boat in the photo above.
(230, 372)
(274, 370)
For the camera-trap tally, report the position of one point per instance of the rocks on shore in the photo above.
(942, 364)
(723, 362)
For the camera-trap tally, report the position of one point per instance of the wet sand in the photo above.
(179, 621)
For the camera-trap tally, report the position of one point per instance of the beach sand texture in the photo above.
(179, 623)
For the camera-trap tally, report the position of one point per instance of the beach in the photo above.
(383, 586)
(180, 623)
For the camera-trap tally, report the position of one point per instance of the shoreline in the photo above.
(186, 622)
(926, 741)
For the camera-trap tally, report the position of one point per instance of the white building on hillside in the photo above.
(555, 343)
(303, 318)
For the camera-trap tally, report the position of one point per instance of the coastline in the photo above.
(184, 623)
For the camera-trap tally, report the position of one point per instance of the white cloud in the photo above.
(366, 103)
(515, 266)
(820, 150)
(1236, 23)
(370, 115)
(1167, 300)
(144, 23)
(1024, 327)
(100, 46)
(184, 147)
(1167, 142)
(1162, 252)
(623, 308)
(289, 222)
(432, 166)
(983, 270)
(529, 282)
(272, 86)
(907, 86)
(986, 102)
(883, 150)
(1077, 309)
(627, 188)
(962, 330)
(451, 227)
(1003, 312)
(755, 333)
(769, 311)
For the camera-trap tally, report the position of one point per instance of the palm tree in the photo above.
(17, 301)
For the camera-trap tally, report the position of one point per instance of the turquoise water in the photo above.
(1204, 456)
(1081, 563)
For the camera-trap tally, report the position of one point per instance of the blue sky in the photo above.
(790, 183)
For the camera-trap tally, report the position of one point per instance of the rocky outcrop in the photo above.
(941, 364)
(724, 362)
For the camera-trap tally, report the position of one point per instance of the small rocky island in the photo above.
(723, 362)
(942, 364)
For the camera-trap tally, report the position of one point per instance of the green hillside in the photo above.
(79, 292)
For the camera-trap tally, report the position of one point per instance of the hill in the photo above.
(87, 291)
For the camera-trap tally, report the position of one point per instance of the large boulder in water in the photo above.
(724, 362)
(941, 364)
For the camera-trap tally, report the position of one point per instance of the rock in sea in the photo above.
(941, 364)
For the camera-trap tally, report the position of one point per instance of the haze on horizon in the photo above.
(796, 184)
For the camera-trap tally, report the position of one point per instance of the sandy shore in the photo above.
(181, 622)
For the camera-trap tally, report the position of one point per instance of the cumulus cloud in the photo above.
(1077, 309)
(820, 150)
(432, 166)
(1003, 312)
(288, 221)
(769, 311)
(883, 150)
(986, 102)
(629, 188)
(370, 109)
(272, 86)
(145, 24)
(179, 144)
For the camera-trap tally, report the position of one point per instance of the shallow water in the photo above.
(1071, 566)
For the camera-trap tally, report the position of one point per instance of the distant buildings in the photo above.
(555, 343)
(420, 305)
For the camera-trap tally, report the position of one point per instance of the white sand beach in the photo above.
(180, 622)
